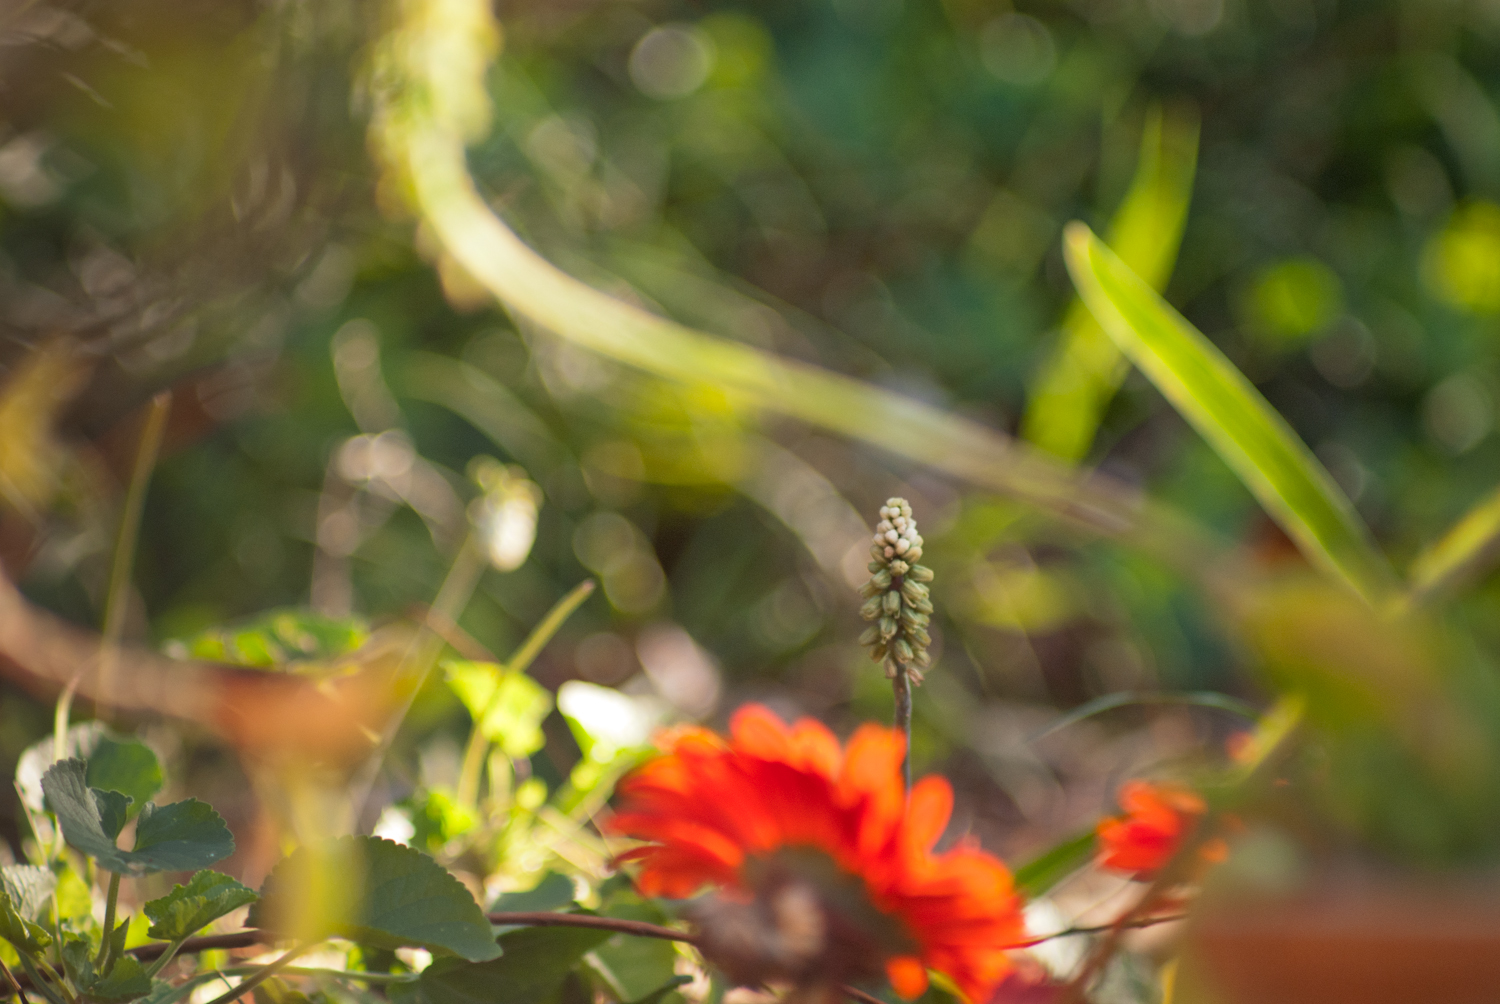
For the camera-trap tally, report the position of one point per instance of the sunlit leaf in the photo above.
(189, 908)
(1230, 414)
(377, 893)
(29, 887)
(1079, 378)
(20, 932)
(507, 706)
(115, 763)
(1473, 542)
(275, 638)
(177, 837)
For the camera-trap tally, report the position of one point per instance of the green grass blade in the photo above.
(1043, 872)
(1230, 414)
(1473, 543)
(429, 98)
(1076, 382)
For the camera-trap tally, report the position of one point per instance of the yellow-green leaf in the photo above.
(1473, 541)
(1075, 384)
(1227, 410)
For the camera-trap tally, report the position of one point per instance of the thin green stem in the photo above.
(336, 974)
(901, 684)
(165, 957)
(421, 652)
(123, 560)
(260, 975)
(473, 763)
(110, 903)
(52, 974)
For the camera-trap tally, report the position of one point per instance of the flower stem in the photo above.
(110, 903)
(901, 684)
(479, 745)
(165, 957)
(262, 974)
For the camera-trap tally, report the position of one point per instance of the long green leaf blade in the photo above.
(1228, 412)
(1077, 381)
(1473, 542)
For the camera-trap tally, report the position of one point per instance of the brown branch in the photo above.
(1070, 932)
(636, 927)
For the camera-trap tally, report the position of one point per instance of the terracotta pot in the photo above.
(1369, 943)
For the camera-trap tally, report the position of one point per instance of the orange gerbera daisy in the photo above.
(824, 867)
(1158, 818)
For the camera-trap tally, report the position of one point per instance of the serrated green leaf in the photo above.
(20, 932)
(125, 981)
(189, 908)
(1077, 381)
(178, 837)
(114, 811)
(507, 706)
(115, 763)
(1056, 863)
(377, 893)
(535, 963)
(1228, 412)
(29, 888)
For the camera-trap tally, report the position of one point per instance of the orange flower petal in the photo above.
(908, 976)
(709, 807)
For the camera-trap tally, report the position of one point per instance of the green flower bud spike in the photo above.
(896, 598)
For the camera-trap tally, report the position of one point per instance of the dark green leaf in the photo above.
(535, 963)
(29, 888)
(553, 892)
(180, 836)
(377, 893)
(1042, 873)
(189, 908)
(176, 837)
(635, 967)
(126, 979)
(659, 994)
(114, 811)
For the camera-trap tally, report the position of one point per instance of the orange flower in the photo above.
(824, 865)
(1158, 818)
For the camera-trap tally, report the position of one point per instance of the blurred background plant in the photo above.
(877, 188)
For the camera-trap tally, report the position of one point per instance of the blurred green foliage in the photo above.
(875, 186)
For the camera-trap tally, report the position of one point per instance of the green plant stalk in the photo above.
(33, 964)
(473, 762)
(110, 903)
(421, 652)
(260, 975)
(901, 684)
(165, 957)
(121, 563)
